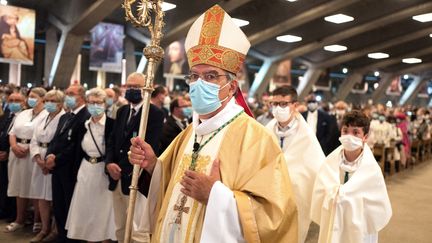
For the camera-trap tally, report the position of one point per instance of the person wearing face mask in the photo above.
(295, 138)
(7, 204)
(85, 212)
(41, 188)
(322, 124)
(160, 98)
(180, 113)
(125, 127)
(350, 200)
(215, 170)
(113, 102)
(62, 158)
(20, 164)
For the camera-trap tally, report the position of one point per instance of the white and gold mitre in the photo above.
(215, 39)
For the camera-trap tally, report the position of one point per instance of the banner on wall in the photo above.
(395, 87)
(17, 34)
(106, 50)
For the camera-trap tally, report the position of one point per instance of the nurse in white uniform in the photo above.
(40, 188)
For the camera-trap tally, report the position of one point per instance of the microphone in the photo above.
(195, 147)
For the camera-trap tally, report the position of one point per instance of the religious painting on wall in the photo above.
(395, 88)
(425, 90)
(106, 50)
(360, 87)
(17, 32)
(282, 75)
(175, 66)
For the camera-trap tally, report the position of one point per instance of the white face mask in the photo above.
(312, 106)
(350, 142)
(281, 114)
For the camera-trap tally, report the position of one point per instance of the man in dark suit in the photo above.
(323, 124)
(63, 156)
(7, 204)
(125, 127)
(180, 111)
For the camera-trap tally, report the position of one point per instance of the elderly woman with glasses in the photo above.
(92, 201)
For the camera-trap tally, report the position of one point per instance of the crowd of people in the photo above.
(211, 172)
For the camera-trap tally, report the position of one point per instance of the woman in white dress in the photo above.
(40, 188)
(20, 166)
(91, 215)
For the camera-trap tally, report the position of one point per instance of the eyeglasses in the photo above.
(281, 103)
(209, 77)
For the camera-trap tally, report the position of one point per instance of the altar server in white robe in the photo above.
(350, 200)
(40, 188)
(91, 215)
(224, 178)
(303, 153)
(20, 165)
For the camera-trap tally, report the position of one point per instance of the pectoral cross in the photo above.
(181, 209)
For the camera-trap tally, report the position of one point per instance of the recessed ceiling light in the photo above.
(240, 22)
(430, 35)
(339, 18)
(376, 74)
(3, 2)
(292, 1)
(411, 60)
(378, 55)
(335, 48)
(344, 70)
(406, 76)
(423, 17)
(289, 38)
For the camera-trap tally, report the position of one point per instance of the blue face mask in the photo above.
(109, 101)
(15, 107)
(70, 102)
(187, 112)
(205, 96)
(50, 107)
(32, 102)
(95, 110)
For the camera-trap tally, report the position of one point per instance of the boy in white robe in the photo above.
(350, 200)
(303, 153)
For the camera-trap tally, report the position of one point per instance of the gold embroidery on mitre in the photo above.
(218, 56)
(212, 26)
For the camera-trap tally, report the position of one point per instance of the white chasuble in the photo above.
(304, 157)
(353, 212)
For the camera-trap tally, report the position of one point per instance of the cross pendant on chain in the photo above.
(181, 209)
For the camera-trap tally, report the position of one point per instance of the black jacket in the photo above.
(327, 131)
(66, 143)
(5, 122)
(170, 130)
(119, 142)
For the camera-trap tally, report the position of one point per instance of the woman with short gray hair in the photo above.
(40, 188)
(88, 208)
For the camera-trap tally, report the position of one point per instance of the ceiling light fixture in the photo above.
(411, 60)
(240, 22)
(292, 1)
(423, 17)
(378, 55)
(335, 48)
(339, 18)
(344, 70)
(376, 74)
(168, 6)
(289, 38)
(406, 76)
(3, 2)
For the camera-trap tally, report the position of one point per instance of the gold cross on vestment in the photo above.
(181, 209)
